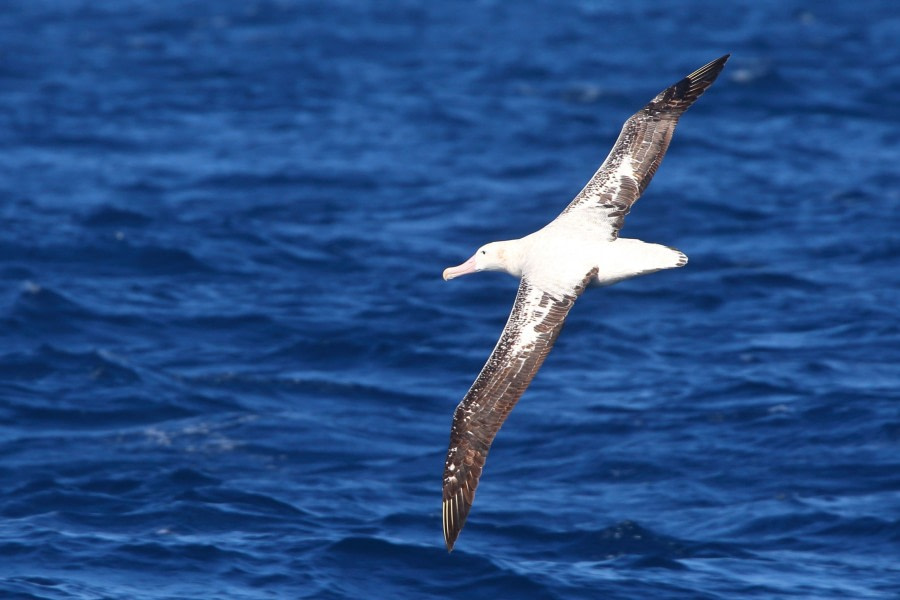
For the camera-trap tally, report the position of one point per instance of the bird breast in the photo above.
(557, 260)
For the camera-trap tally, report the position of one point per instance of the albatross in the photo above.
(580, 248)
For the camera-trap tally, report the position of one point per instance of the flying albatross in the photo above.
(581, 247)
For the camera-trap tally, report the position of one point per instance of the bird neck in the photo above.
(512, 255)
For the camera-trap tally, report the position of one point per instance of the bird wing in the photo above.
(534, 324)
(636, 155)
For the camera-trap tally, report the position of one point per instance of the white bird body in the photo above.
(580, 248)
(556, 257)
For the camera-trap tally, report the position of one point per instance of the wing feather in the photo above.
(639, 150)
(530, 332)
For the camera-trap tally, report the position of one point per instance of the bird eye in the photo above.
(484, 251)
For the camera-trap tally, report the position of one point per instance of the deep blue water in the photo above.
(228, 362)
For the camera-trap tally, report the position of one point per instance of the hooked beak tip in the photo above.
(463, 269)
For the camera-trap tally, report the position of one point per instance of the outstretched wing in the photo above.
(636, 155)
(533, 326)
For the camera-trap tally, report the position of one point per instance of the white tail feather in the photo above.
(626, 258)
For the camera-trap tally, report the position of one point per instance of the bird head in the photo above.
(496, 256)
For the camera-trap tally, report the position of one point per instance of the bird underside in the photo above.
(580, 248)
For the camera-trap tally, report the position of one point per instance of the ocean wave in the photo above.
(228, 364)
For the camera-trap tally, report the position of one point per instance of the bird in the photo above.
(578, 249)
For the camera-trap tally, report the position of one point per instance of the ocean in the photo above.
(228, 361)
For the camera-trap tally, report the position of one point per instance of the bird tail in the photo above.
(626, 258)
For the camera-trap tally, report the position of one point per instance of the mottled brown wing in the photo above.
(533, 326)
(641, 145)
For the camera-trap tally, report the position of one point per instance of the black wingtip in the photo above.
(679, 97)
(709, 71)
(456, 509)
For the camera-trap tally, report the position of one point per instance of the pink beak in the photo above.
(463, 269)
